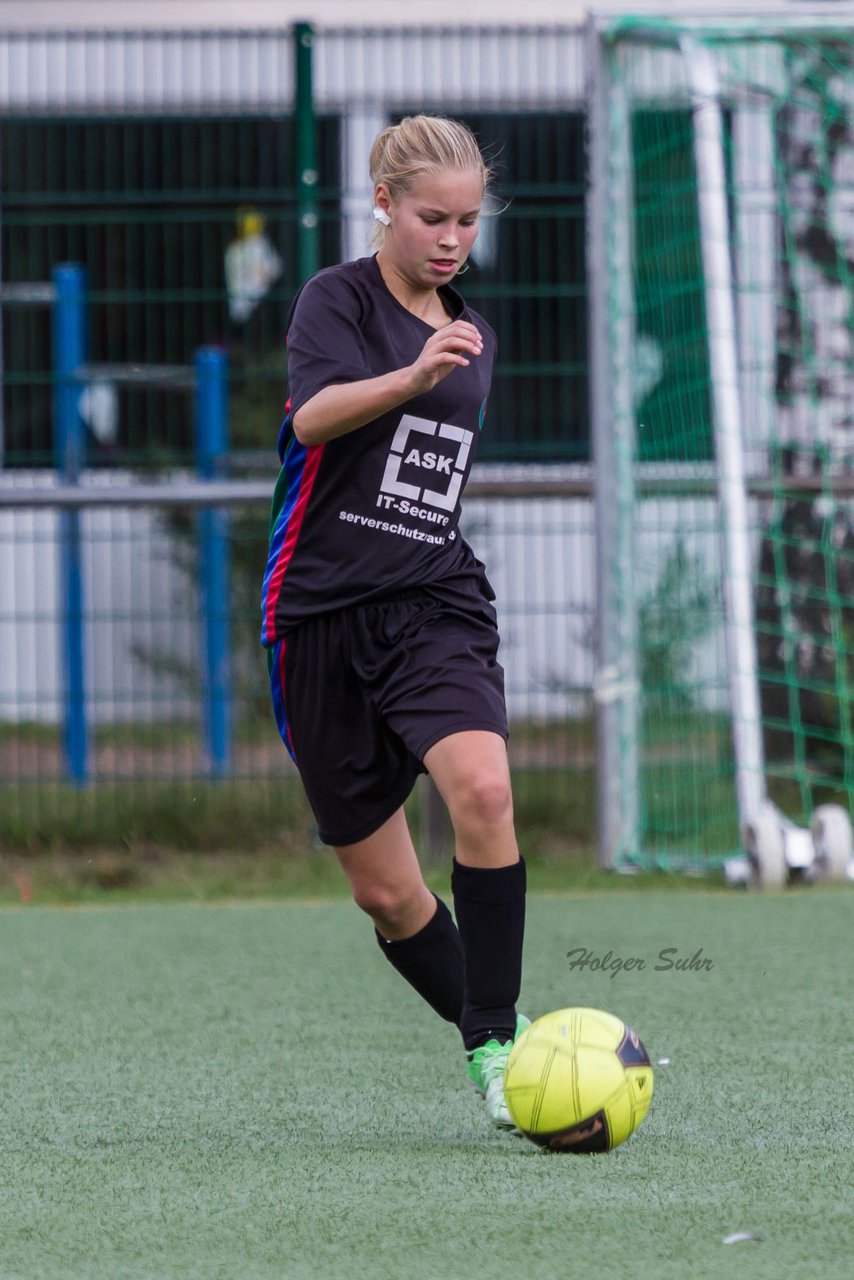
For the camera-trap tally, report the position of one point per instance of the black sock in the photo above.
(432, 962)
(490, 908)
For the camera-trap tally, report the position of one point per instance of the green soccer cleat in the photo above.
(485, 1066)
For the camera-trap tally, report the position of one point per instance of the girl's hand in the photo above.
(442, 352)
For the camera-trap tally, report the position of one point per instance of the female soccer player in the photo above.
(377, 616)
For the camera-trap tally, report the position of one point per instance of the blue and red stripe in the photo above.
(277, 688)
(300, 467)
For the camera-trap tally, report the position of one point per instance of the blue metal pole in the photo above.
(69, 352)
(211, 445)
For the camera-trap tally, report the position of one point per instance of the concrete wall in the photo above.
(136, 603)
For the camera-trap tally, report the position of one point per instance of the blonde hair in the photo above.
(421, 145)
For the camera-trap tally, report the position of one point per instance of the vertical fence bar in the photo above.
(308, 223)
(609, 223)
(742, 659)
(69, 353)
(211, 365)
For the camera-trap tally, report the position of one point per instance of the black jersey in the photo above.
(376, 511)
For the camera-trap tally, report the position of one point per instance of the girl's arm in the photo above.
(346, 406)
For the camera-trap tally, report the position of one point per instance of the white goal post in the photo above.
(718, 393)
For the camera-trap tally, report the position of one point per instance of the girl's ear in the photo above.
(382, 200)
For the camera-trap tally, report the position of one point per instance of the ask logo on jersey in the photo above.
(426, 463)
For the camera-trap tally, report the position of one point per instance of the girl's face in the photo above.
(433, 226)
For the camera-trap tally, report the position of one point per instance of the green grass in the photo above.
(103, 877)
(198, 838)
(249, 1092)
(185, 815)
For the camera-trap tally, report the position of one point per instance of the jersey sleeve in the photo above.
(325, 340)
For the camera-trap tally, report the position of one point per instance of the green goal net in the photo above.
(722, 279)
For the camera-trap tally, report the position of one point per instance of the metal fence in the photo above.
(179, 170)
(162, 161)
(148, 609)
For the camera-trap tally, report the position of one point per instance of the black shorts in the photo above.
(362, 694)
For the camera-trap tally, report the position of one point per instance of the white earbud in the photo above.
(382, 216)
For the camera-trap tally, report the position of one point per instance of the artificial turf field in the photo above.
(250, 1092)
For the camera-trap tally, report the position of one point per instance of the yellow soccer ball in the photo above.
(578, 1080)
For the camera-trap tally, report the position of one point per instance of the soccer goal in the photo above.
(721, 278)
